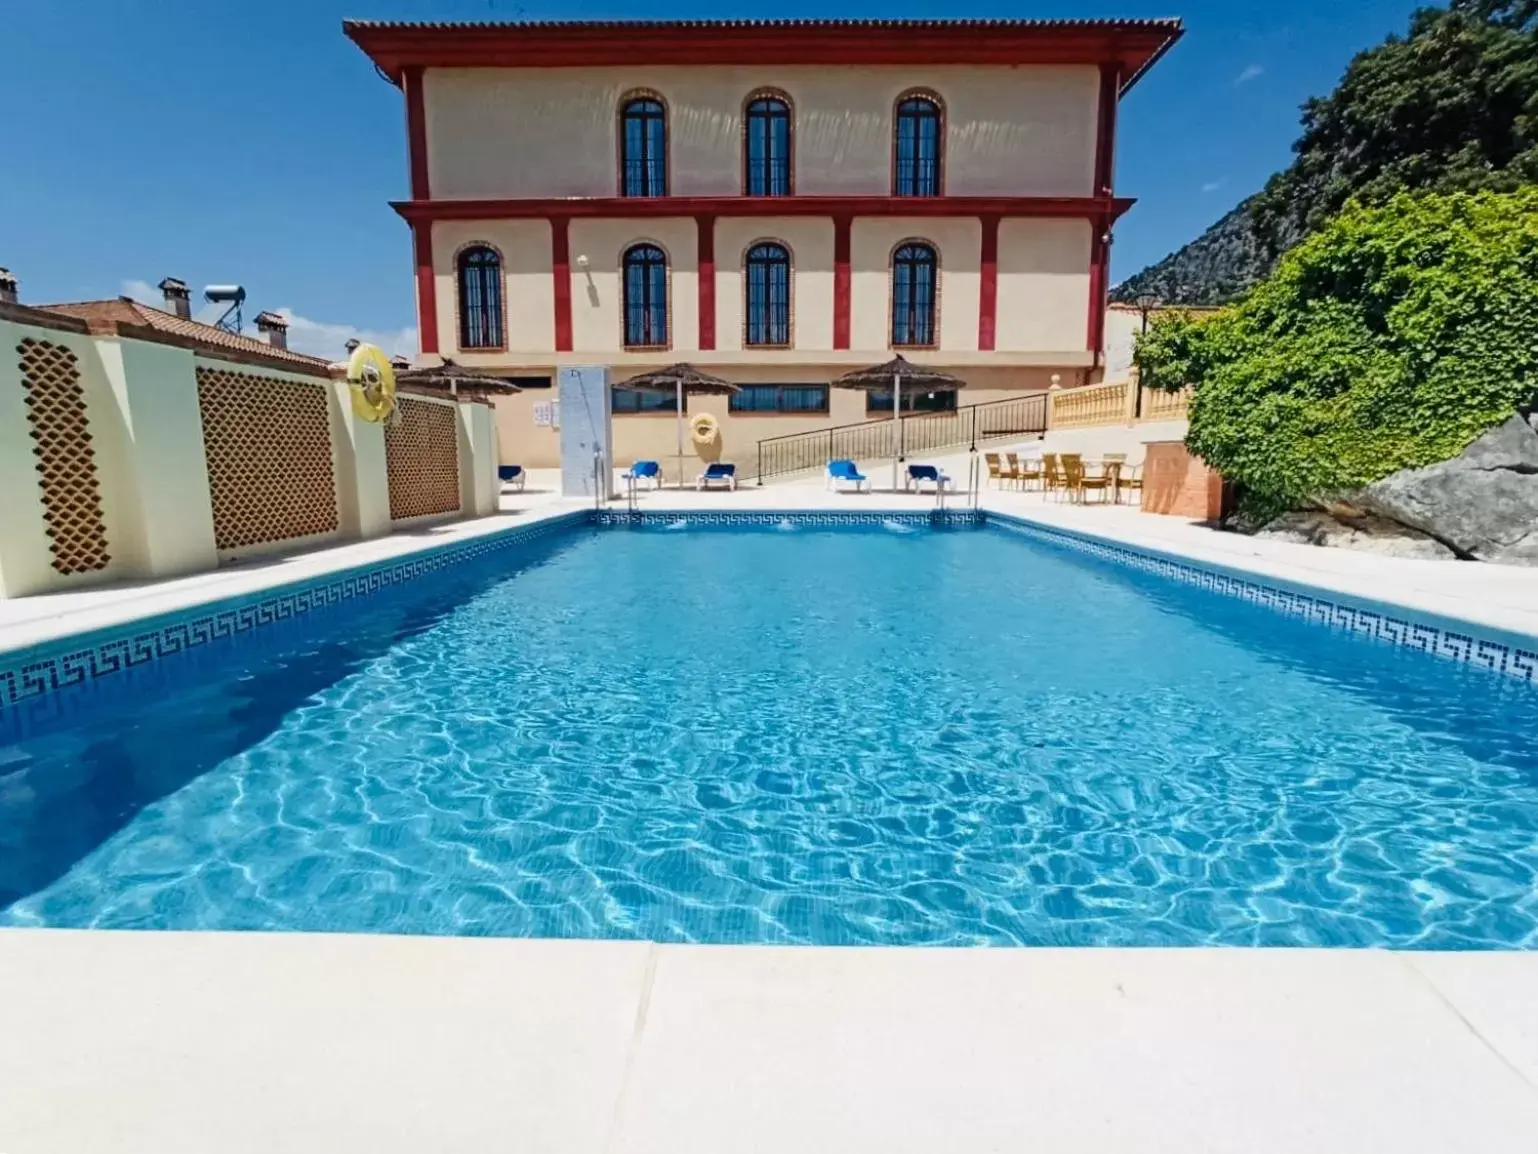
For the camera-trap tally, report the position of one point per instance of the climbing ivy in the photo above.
(1389, 339)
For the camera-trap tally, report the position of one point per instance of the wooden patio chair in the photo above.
(1031, 470)
(1053, 479)
(1080, 482)
(995, 468)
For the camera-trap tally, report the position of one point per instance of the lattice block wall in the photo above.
(422, 456)
(66, 461)
(267, 442)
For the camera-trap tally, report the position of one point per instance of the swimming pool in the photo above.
(887, 736)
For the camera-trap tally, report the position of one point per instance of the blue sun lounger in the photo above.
(845, 473)
(719, 473)
(644, 471)
(919, 474)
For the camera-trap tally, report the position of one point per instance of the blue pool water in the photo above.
(810, 737)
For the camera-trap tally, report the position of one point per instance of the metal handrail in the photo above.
(1011, 417)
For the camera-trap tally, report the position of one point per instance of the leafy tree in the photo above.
(1389, 339)
(1451, 107)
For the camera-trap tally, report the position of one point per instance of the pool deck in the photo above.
(259, 1042)
(1500, 597)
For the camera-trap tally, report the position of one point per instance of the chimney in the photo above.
(178, 299)
(7, 287)
(273, 328)
(399, 364)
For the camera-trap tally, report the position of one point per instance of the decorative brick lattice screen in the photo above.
(66, 462)
(268, 446)
(422, 456)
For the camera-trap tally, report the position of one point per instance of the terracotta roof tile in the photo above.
(125, 310)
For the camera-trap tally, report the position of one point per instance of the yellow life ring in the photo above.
(373, 383)
(703, 427)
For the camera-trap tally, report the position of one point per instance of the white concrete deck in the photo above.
(205, 1043)
(1497, 597)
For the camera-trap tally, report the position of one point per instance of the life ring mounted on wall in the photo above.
(704, 428)
(372, 383)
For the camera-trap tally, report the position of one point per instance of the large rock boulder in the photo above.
(1345, 528)
(1483, 503)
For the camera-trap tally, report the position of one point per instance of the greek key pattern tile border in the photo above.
(28, 673)
(1461, 646)
(773, 518)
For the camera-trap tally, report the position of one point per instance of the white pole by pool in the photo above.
(679, 424)
(897, 427)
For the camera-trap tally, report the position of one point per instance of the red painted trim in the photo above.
(841, 281)
(1094, 208)
(1105, 129)
(427, 286)
(560, 271)
(1099, 264)
(706, 256)
(416, 132)
(988, 284)
(1133, 44)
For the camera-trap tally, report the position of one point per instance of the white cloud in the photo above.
(323, 339)
(1249, 74)
(1214, 185)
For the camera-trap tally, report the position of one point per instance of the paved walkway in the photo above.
(1498, 597)
(231, 1043)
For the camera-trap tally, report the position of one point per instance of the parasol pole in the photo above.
(679, 424)
(897, 428)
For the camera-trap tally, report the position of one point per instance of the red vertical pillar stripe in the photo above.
(841, 282)
(1105, 128)
(1099, 267)
(988, 286)
(422, 231)
(560, 273)
(427, 286)
(706, 246)
(1100, 243)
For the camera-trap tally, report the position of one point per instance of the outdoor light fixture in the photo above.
(582, 261)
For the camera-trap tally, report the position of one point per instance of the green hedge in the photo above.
(1391, 338)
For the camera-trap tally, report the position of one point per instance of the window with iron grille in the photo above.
(636, 401)
(646, 296)
(809, 399)
(768, 304)
(880, 404)
(643, 148)
(914, 268)
(766, 147)
(916, 168)
(480, 298)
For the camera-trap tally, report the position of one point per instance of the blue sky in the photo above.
(220, 142)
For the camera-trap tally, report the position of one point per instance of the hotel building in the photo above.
(776, 202)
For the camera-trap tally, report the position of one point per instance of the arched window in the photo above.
(916, 147)
(766, 146)
(643, 146)
(914, 271)
(768, 290)
(646, 296)
(479, 273)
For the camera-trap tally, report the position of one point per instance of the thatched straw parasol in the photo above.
(678, 380)
(455, 379)
(891, 378)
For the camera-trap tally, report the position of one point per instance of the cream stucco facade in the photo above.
(543, 132)
(527, 161)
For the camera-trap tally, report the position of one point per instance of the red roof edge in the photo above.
(1134, 45)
